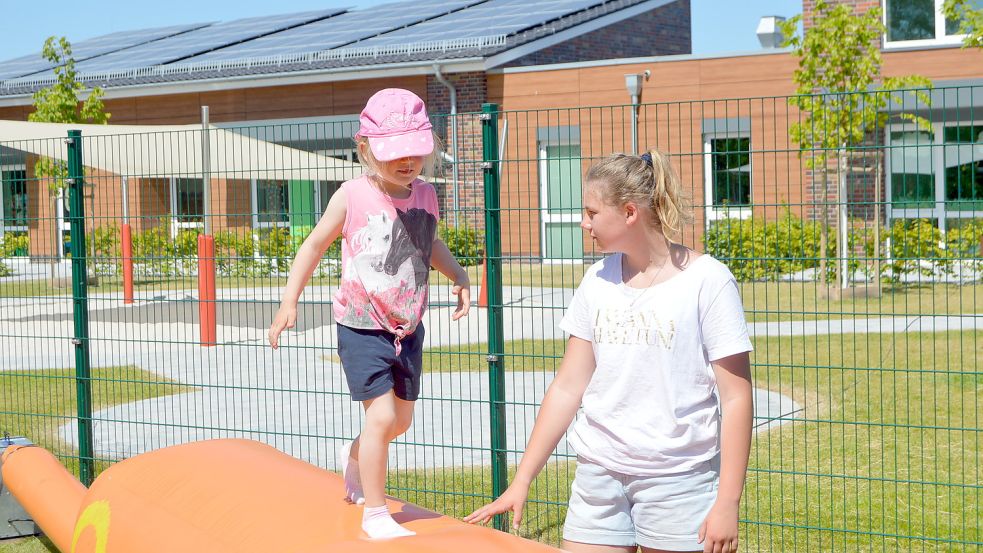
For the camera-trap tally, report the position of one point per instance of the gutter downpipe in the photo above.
(454, 168)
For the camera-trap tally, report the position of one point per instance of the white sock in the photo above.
(349, 469)
(378, 523)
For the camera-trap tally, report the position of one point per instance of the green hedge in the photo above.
(465, 242)
(250, 253)
(12, 244)
(768, 250)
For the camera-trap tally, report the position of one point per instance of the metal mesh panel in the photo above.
(860, 277)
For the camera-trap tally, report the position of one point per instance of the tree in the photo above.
(969, 18)
(840, 98)
(60, 103)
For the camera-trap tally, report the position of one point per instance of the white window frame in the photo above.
(712, 212)
(938, 211)
(4, 228)
(941, 39)
(177, 224)
(62, 222)
(546, 217)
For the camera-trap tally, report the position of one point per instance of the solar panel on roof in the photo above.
(338, 31)
(188, 44)
(93, 47)
(494, 17)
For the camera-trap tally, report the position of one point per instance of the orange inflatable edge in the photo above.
(44, 489)
(223, 495)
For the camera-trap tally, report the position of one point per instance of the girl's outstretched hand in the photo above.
(463, 293)
(718, 533)
(514, 499)
(286, 317)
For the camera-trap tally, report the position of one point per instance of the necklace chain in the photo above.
(650, 283)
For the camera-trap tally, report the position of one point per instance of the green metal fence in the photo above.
(861, 278)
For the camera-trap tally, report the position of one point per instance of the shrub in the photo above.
(766, 250)
(913, 246)
(464, 242)
(278, 247)
(105, 250)
(14, 244)
(235, 254)
(186, 243)
(963, 241)
(153, 252)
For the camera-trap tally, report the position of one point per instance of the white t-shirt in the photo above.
(651, 407)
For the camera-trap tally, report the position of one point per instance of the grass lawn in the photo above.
(887, 447)
(37, 402)
(796, 301)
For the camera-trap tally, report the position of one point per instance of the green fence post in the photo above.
(493, 280)
(80, 306)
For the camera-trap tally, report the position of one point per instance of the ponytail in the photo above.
(646, 180)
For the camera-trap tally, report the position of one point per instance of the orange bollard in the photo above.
(483, 292)
(206, 290)
(44, 489)
(127, 251)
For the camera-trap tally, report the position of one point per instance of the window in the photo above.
(912, 172)
(14, 196)
(919, 22)
(963, 168)
(936, 175)
(272, 203)
(560, 194)
(187, 203)
(727, 168)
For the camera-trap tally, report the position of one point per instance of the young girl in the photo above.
(388, 219)
(657, 360)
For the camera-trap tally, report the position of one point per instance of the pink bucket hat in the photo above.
(395, 122)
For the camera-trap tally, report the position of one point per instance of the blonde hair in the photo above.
(624, 178)
(431, 163)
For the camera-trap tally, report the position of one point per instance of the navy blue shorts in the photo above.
(372, 367)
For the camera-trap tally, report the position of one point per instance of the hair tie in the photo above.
(647, 158)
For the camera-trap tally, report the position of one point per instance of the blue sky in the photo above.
(719, 26)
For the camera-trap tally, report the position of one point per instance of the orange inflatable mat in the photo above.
(221, 496)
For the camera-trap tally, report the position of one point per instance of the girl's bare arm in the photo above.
(559, 407)
(308, 256)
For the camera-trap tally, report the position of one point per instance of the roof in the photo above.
(176, 151)
(387, 34)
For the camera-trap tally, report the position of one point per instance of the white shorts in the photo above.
(660, 512)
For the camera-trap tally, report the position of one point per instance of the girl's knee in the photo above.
(401, 425)
(379, 422)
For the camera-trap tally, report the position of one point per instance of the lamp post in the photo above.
(634, 82)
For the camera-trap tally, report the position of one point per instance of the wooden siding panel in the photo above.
(174, 109)
(288, 101)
